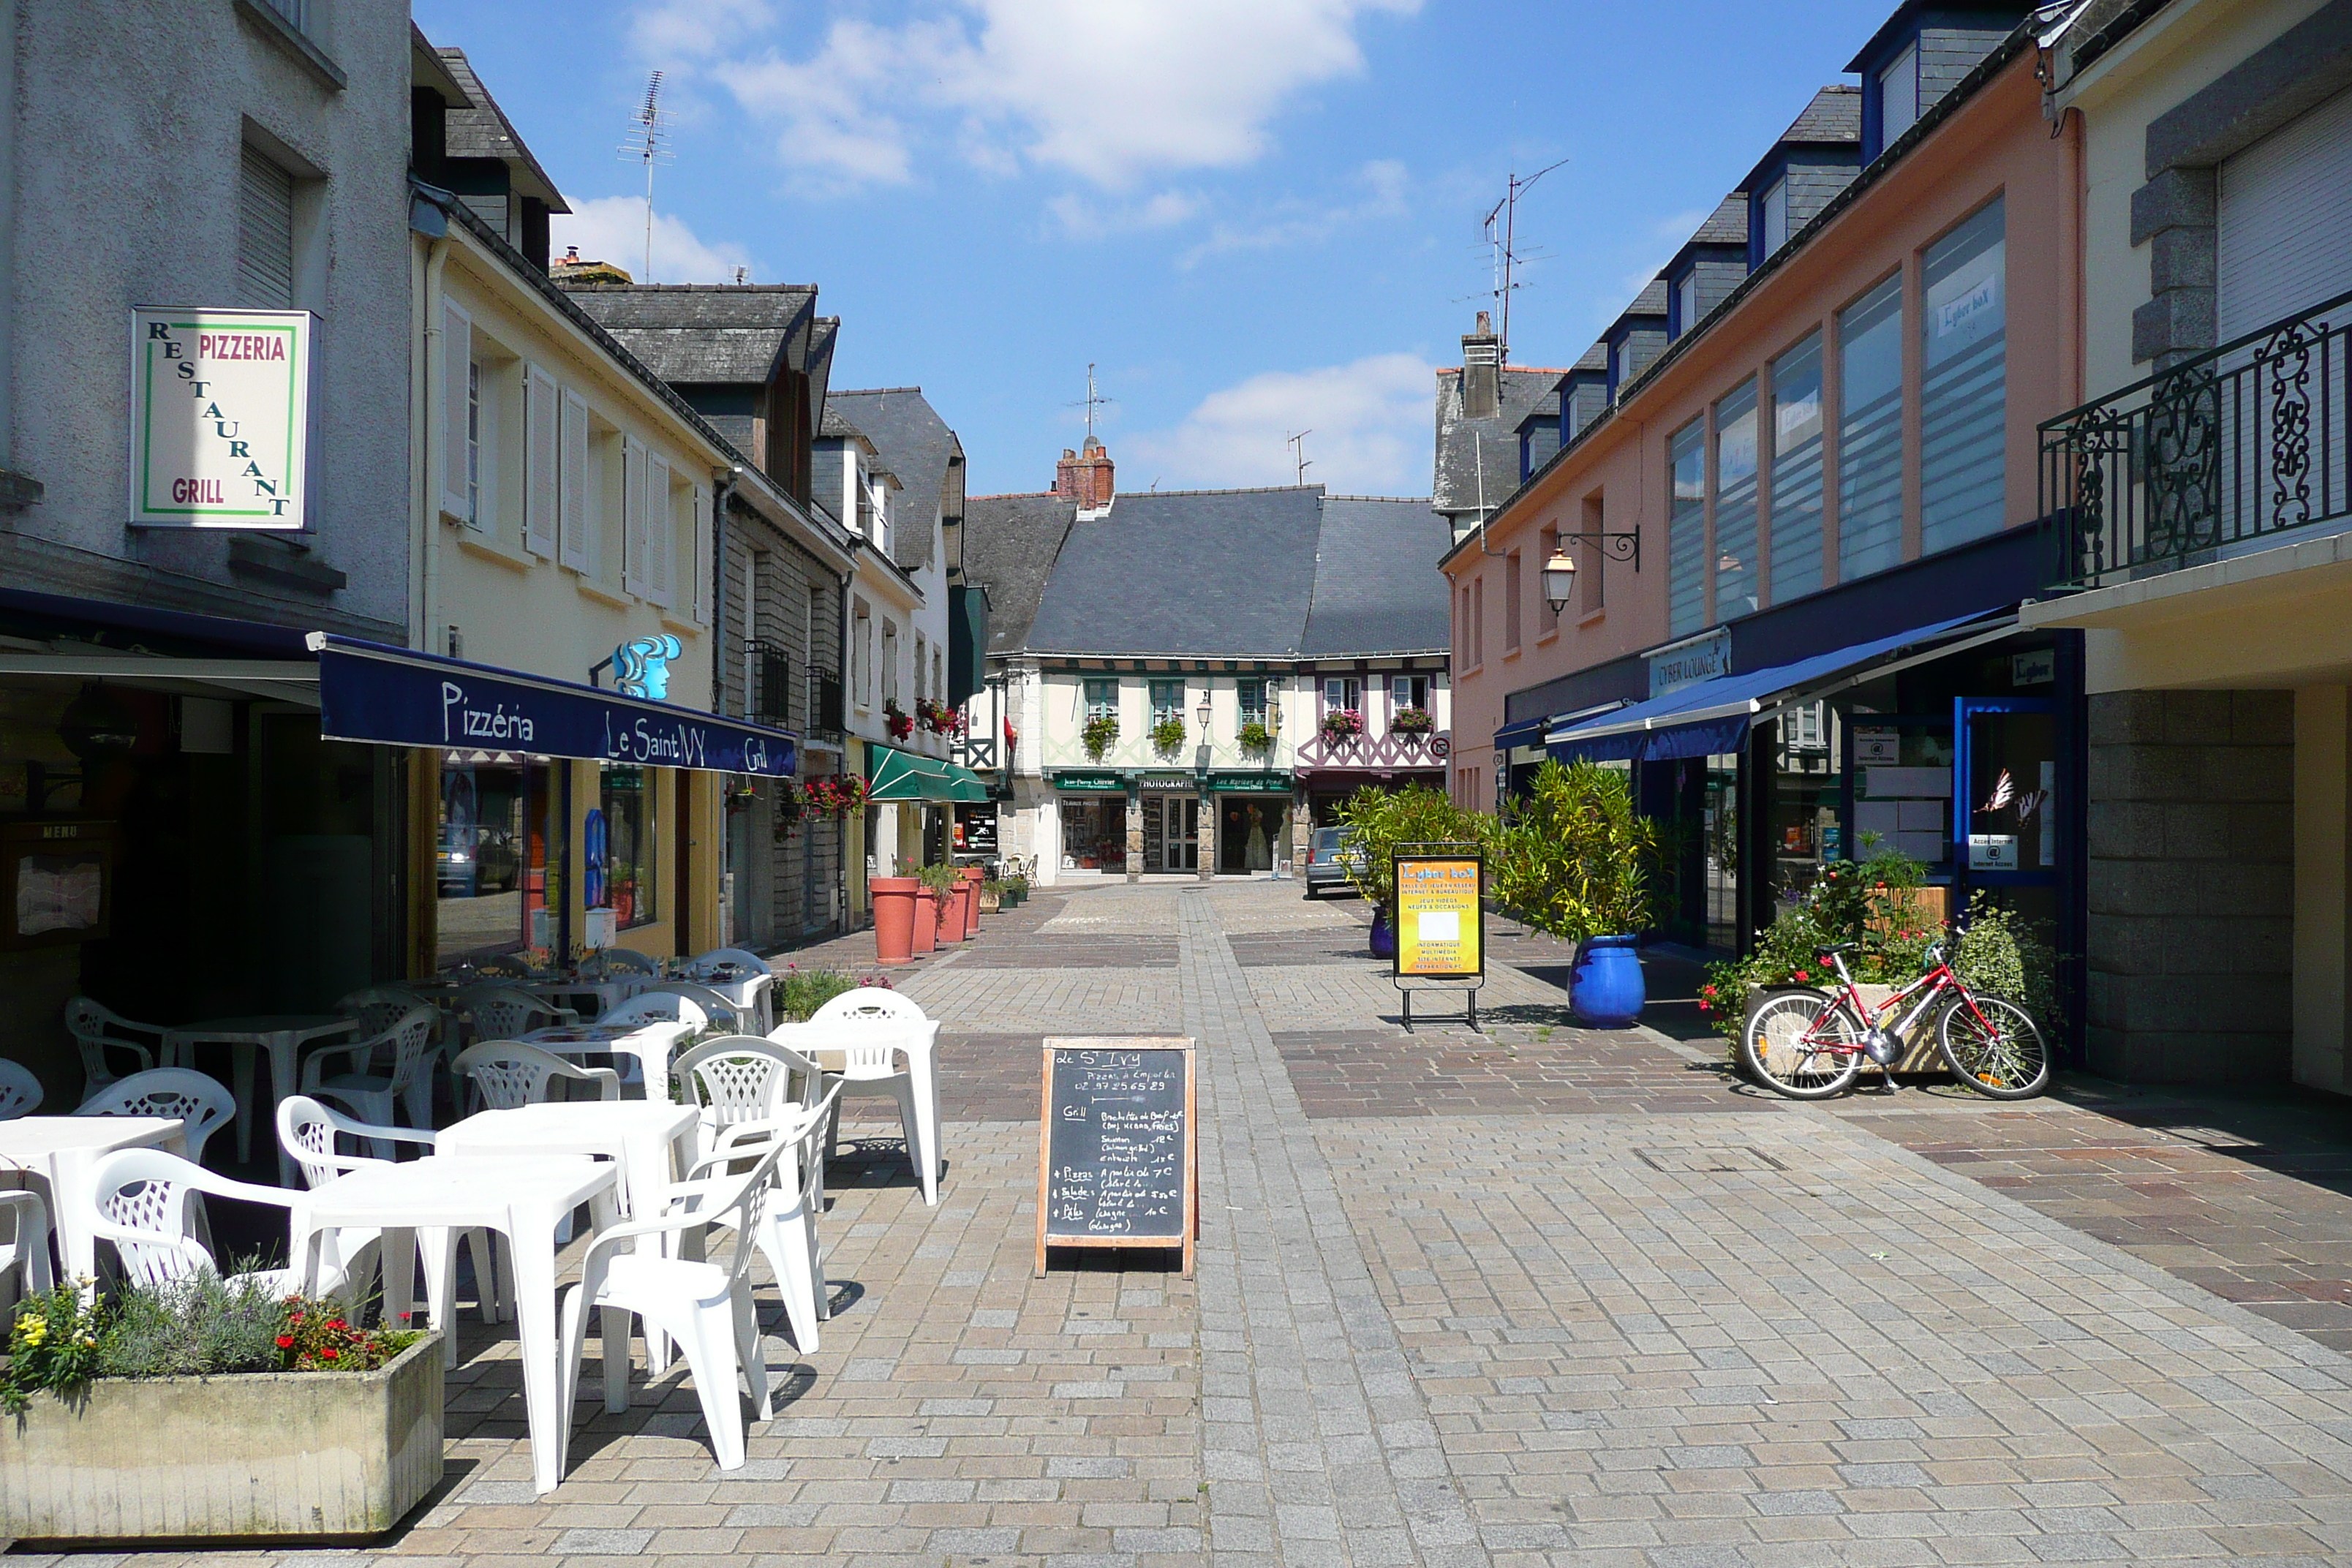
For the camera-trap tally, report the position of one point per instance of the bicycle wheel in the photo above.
(1802, 1044)
(2000, 1054)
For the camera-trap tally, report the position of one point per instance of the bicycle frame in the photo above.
(1848, 997)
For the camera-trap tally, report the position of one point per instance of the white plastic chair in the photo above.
(20, 1092)
(501, 1012)
(719, 1012)
(871, 1027)
(656, 1007)
(139, 1201)
(610, 961)
(706, 1308)
(789, 1238)
(26, 1250)
(717, 957)
(202, 1103)
(307, 1131)
(97, 1030)
(507, 1074)
(741, 1078)
(371, 1096)
(377, 1008)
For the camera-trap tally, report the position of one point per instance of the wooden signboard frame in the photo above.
(1191, 1222)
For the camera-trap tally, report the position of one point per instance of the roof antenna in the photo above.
(1500, 237)
(1298, 454)
(649, 143)
(1092, 400)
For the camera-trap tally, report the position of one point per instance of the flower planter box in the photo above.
(313, 1456)
(1920, 1052)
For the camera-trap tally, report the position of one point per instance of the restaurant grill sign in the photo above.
(220, 417)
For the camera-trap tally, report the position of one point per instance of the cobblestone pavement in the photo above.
(1543, 1295)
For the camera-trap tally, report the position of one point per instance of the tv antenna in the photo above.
(1299, 456)
(1092, 400)
(1502, 222)
(649, 143)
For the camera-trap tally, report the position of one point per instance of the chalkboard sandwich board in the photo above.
(1116, 1144)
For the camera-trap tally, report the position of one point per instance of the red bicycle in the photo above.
(1809, 1044)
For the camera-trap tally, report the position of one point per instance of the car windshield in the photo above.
(1325, 839)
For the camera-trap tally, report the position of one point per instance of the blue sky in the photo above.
(1257, 217)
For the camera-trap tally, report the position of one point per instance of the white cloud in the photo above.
(1083, 216)
(613, 228)
(693, 29)
(1109, 91)
(1368, 423)
(1383, 182)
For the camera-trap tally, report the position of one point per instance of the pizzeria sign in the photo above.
(220, 417)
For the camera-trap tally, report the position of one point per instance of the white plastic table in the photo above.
(651, 1043)
(605, 995)
(820, 1043)
(739, 992)
(63, 1151)
(283, 1035)
(520, 1199)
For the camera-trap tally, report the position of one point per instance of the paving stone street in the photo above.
(1543, 1295)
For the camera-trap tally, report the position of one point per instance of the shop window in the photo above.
(1802, 829)
(497, 856)
(1797, 471)
(1102, 699)
(623, 869)
(1870, 431)
(1687, 531)
(1735, 502)
(1963, 384)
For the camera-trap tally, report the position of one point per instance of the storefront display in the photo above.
(627, 860)
(1094, 832)
(495, 880)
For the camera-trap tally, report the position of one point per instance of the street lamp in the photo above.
(1560, 572)
(1559, 579)
(1203, 713)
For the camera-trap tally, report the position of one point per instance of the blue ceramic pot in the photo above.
(1605, 989)
(1383, 934)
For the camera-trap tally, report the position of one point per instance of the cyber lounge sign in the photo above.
(220, 417)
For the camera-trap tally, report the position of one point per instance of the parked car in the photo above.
(1329, 854)
(489, 865)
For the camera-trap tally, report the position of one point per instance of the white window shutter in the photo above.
(661, 534)
(633, 515)
(572, 523)
(456, 355)
(541, 420)
(705, 545)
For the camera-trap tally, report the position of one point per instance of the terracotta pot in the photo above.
(952, 915)
(927, 921)
(894, 918)
(972, 878)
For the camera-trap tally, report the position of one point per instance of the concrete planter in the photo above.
(1920, 1053)
(304, 1455)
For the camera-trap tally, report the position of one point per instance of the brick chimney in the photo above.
(1084, 477)
(1482, 375)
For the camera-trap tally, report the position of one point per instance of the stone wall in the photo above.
(2191, 840)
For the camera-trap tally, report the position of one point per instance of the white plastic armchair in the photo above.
(502, 1011)
(741, 1078)
(20, 1092)
(718, 958)
(26, 1250)
(789, 1236)
(377, 1008)
(202, 1103)
(610, 961)
(656, 1007)
(371, 1093)
(139, 1201)
(507, 1074)
(98, 1031)
(707, 1308)
(719, 1012)
(873, 1028)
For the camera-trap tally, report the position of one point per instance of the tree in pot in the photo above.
(1575, 860)
(1377, 821)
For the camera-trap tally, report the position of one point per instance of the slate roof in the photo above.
(1455, 476)
(485, 131)
(1200, 574)
(920, 449)
(1834, 115)
(833, 428)
(728, 333)
(1728, 224)
(1594, 358)
(1377, 586)
(1010, 547)
(1650, 301)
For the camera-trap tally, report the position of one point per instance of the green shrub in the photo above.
(799, 992)
(1379, 820)
(207, 1324)
(1575, 860)
(2003, 955)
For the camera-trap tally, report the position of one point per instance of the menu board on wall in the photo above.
(1116, 1144)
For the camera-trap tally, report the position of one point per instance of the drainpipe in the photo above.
(9, 233)
(430, 467)
(723, 491)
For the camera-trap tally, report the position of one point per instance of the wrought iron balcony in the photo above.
(2205, 459)
(790, 694)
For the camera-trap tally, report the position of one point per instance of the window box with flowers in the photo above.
(1411, 722)
(939, 718)
(1255, 737)
(1167, 734)
(1100, 735)
(1342, 725)
(897, 721)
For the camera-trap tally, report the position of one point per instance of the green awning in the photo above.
(894, 774)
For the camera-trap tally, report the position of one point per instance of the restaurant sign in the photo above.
(220, 417)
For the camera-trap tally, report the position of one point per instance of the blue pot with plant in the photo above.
(1383, 933)
(1605, 987)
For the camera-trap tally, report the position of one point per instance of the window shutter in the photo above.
(706, 546)
(633, 515)
(574, 527)
(456, 356)
(541, 420)
(661, 534)
(265, 233)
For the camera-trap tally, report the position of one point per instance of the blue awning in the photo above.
(1710, 717)
(390, 695)
(1526, 732)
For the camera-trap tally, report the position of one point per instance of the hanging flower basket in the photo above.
(1100, 735)
(1413, 721)
(834, 794)
(897, 721)
(1341, 725)
(939, 718)
(792, 805)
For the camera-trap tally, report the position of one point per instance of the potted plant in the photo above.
(991, 896)
(895, 909)
(834, 795)
(1100, 735)
(1255, 737)
(1016, 888)
(1378, 820)
(792, 805)
(945, 884)
(1167, 734)
(1341, 725)
(1411, 722)
(212, 1408)
(1576, 860)
(896, 720)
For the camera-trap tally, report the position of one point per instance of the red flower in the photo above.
(285, 1341)
(1803, 974)
(329, 1353)
(1706, 989)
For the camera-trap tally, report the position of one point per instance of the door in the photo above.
(1180, 832)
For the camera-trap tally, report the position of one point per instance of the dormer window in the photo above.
(1773, 209)
(1898, 95)
(1687, 302)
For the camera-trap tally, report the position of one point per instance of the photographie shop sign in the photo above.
(220, 417)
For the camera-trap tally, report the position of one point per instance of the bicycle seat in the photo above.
(1825, 952)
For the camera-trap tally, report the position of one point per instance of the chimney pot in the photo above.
(1086, 479)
